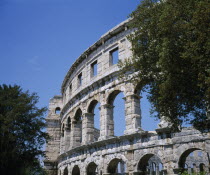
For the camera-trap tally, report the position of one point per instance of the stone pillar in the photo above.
(157, 169)
(106, 122)
(88, 128)
(62, 143)
(194, 168)
(67, 138)
(189, 170)
(76, 133)
(132, 113)
(169, 168)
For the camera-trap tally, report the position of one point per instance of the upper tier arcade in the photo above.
(77, 147)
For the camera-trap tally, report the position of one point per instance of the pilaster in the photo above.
(67, 137)
(132, 113)
(88, 128)
(107, 122)
(76, 133)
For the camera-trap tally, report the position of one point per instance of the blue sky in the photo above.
(40, 39)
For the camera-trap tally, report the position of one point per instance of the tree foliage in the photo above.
(21, 134)
(171, 46)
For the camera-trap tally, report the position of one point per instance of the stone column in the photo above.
(88, 128)
(132, 113)
(106, 122)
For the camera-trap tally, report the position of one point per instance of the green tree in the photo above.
(21, 131)
(171, 45)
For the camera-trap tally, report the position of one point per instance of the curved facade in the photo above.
(77, 147)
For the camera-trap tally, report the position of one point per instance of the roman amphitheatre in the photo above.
(76, 147)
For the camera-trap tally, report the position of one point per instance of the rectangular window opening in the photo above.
(80, 80)
(114, 55)
(70, 89)
(94, 68)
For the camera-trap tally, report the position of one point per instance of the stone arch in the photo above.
(93, 120)
(91, 106)
(65, 172)
(112, 157)
(92, 168)
(57, 110)
(194, 163)
(78, 114)
(143, 105)
(202, 167)
(149, 162)
(112, 96)
(76, 170)
(116, 165)
(114, 129)
(96, 160)
(77, 108)
(184, 155)
(186, 148)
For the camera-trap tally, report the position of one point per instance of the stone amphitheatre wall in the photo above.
(76, 147)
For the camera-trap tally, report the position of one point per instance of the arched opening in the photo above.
(65, 171)
(76, 170)
(92, 169)
(117, 113)
(148, 123)
(78, 127)
(150, 164)
(117, 166)
(57, 110)
(202, 167)
(196, 162)
(94, 109)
